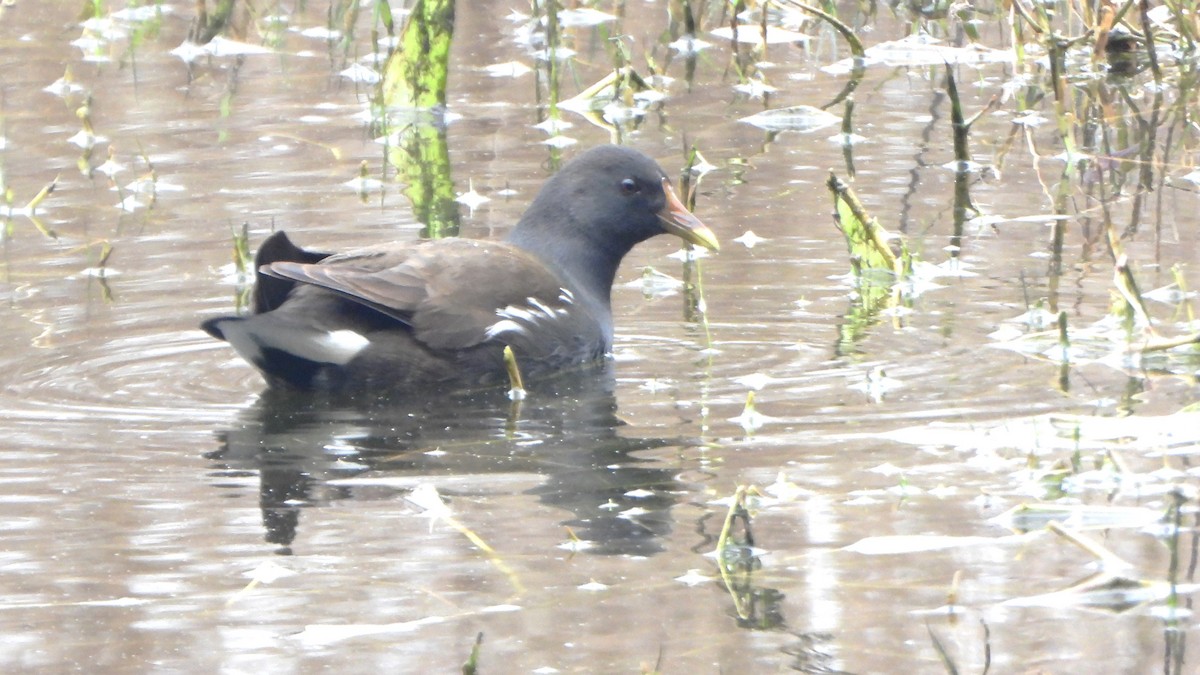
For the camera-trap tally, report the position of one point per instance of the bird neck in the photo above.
(587, 266)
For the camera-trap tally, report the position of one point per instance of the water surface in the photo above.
(162, 515)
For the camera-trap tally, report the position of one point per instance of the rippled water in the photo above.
(160, 515)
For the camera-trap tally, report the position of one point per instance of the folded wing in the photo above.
(445, 290)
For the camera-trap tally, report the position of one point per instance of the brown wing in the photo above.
(451, 292)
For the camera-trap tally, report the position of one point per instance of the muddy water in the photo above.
(160, 515)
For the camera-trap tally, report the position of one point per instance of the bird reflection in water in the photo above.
(303, 446)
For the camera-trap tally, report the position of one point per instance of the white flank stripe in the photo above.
(504, 326)
(541, 305)
(514, 312)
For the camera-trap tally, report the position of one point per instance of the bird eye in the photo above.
(630, 186)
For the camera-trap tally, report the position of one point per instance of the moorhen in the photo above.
(439, 313)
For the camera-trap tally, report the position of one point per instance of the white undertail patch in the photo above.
(340, 346)
(242, 341)
(251, 337)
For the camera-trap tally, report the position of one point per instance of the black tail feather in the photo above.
(270, 292)
(213, 326)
